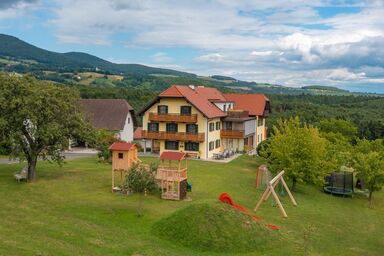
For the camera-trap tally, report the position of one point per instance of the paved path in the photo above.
(68, 155)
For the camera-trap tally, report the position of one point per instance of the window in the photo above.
(211, 145)
(228, 125)
(162, 109)
(211, 127)
(245, 141)
(153, 127)
(217, 143)
(191, 128)
(260, 121)
(191, 146)
(225, 108)
(185, 110)
(129, 120)
(172, 145)
(217, 125)
(171, 127)
(121, 155)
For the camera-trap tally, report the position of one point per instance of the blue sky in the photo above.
(291, 42)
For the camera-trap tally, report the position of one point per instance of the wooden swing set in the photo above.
(271, 190)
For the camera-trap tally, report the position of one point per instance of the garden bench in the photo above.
(23, 175)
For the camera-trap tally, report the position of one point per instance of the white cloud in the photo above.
(275, 41)
(161, 57)
(212, 57)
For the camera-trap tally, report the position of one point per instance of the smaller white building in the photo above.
(114, 115)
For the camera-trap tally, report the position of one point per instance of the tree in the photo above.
(298, 150)
(340, 135)
(38, 118)
(339, 126)
(140, 180)
(369, 164)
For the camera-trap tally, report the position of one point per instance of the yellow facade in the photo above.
(260, 130)
(213, 136)
(174, 105)
(203, 123)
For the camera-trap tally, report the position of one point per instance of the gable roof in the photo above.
(122, 146)
(109, 114)
(255, 104)
(199, 97)
(210, 93)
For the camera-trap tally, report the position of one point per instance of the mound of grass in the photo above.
(215, 227)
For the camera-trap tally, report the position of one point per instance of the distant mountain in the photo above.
(225, 78)
(85, 69)
(323, 88)
(24, 56)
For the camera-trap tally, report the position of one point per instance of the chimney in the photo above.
(192, 86)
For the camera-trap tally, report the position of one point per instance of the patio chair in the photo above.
(23, 175)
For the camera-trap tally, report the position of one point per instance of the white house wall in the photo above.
(249, 127)
(127, 133)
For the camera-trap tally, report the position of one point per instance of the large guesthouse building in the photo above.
(202, 121)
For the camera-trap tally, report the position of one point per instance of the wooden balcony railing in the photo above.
(231, 134)
(173, 118)
(173, 136)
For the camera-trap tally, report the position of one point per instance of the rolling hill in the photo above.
(29, 57)
(86, 69)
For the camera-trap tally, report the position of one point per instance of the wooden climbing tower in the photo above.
(172, 175)
(124, 155)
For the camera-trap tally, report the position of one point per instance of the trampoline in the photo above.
(339, 183)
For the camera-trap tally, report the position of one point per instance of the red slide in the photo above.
(225, 198)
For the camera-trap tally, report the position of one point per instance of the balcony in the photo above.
(173, 136)
(177, 118)
(231, 134)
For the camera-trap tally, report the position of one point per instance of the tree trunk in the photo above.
(293, 187)
(370, 199)
(32, 168)
(140, 205)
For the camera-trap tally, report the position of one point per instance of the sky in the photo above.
(292, 42)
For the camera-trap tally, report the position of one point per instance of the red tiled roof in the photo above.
(109, 114)
(171, 92)
(210, 93)
(254, 103)
(197, 98)
(137, 134)
(169, 155)
(121, 146)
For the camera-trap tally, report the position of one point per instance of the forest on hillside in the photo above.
(365, 112)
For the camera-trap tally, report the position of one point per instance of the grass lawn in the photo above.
(70, 211)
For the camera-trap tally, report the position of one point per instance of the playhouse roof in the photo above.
(122, 146)
(169, 155)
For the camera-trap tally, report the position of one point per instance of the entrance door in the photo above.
(155, 146)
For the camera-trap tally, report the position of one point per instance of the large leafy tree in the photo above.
(340, 127)
(341, 134)
(299, 150)
(369, 164)
(38, 118)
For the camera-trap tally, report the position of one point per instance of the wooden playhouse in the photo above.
(172, 175)
(124, 155)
